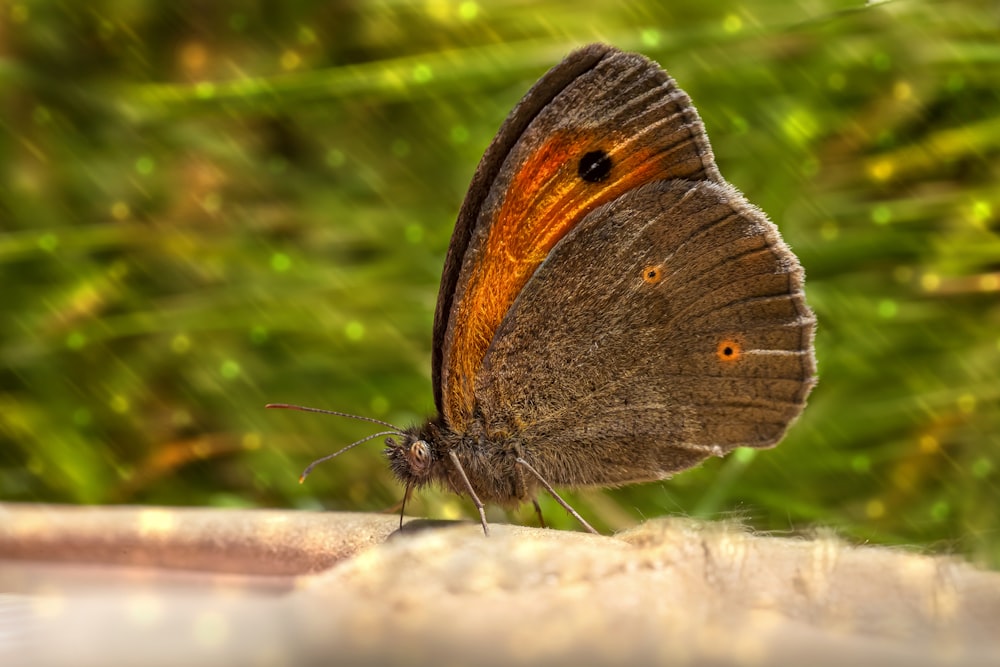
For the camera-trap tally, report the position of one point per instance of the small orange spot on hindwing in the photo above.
(652, 274)
(729, 351)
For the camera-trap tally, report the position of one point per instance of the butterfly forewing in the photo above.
(618, 124)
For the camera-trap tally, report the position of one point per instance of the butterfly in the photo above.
(611, 310)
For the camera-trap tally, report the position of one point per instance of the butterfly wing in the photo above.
(601, 123)
(688, 335)
(534, 101)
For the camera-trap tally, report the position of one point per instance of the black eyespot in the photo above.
(729, 351)
(594, 166)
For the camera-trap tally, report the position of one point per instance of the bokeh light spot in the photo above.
(981, 211)
(650, 37)
(989, 282)
(881, 215)
(459, 134)
(467, 11)
(930, 282)
(982, 467)
(414, 232)
(861, 463)
(354, 330)
(212, 202)
(940, 510)
(881, 170)
(193, 57)
(119, 210)
(829, 230)
(732, 23)
(799, 125)
(204, 90)
(335, 158)
(75, 340)
(290, 60)
(230, 369)
(422, 73)
(119, 404)
(144, 165)
(451, 510)
(967, 403)
(251, 441)
(887, 308)
(155, 521)
(281, 262)
(180, 344)
(875, 509)
(48, 241)
(929, 444)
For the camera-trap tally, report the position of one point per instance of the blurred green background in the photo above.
(208, 206)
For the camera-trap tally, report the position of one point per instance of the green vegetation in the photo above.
(205, 207)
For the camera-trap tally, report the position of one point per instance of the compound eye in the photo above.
(420, 455)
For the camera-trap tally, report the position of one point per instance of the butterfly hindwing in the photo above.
(674, 318)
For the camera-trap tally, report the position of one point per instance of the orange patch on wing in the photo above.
(545, 200)
(652, 274)
(729, 351)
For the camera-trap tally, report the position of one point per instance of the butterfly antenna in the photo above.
(289, 406)
(309, 468)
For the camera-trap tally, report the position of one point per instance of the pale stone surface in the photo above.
(163, 586)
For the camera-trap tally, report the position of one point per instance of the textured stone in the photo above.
(163, 586)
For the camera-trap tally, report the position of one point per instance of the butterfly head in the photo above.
(413, 459)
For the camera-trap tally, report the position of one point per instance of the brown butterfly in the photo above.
(611, 309)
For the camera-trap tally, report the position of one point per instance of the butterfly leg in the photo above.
(548, 487)
(472, 492)
(402, 504)
(538, 511)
